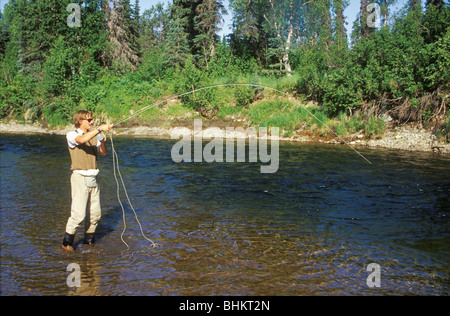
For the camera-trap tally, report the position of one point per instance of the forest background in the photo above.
(119, 59)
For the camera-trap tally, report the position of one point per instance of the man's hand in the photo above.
(105, 127)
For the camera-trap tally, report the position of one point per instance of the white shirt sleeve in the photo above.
(99, 143)
(71, 136)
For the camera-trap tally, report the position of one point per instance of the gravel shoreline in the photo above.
(402, 137)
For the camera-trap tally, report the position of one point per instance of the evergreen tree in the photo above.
(361, 29)
(200, 20)
(122, 35)
(36, 25)
(249, 38)
(137, 13)
(325, 29)
(93, 35)
(153, 30)
(4, 35)
(8, 59)
(131, 23)
(177, 50)
(365, 30)
(384, 8)
(436, 20)
(208, 16)
(188, 13)
(78, 54)
(49, 60)
(340, 42)
(136, 22)
(414, 4)
(436, 3)
(154, 27)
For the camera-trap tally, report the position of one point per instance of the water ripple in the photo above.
(225, 229)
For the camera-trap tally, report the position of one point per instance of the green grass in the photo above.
(113, 98)
(374, 127)
(262, 111)
(290, 117)
(177, 109)
(229, 110)
(444, 131)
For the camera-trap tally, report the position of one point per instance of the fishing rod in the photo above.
(234, 85)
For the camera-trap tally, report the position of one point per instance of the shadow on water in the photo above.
(110, 222)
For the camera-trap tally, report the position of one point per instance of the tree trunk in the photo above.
(287, 65)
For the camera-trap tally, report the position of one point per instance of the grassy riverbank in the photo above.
(237, 106)
(280, 105)
(225, 104)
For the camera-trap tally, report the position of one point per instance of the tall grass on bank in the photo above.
(290, 117)
(112, 98)
(444, 131)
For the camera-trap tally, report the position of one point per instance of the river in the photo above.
(311, 228)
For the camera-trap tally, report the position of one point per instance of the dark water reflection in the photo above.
(225, 229)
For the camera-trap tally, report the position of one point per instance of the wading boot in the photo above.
(89, 239)
(67, 243)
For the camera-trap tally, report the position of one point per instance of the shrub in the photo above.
(244, 96)
(374, 127)
(14, 96)
(59, 112)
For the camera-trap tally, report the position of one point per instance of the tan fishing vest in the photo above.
(84, 156)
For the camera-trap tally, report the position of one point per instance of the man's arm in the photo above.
(103, 150)
(89, 135)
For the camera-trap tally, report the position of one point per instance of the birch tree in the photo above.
(283, 22)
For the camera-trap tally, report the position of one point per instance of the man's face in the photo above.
(86, 123)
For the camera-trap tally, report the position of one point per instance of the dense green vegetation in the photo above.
(120, 60)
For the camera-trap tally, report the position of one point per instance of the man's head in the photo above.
(83, 119)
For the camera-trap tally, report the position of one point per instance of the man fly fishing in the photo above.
(84, 145)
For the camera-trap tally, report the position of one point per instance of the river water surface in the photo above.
(312, 228)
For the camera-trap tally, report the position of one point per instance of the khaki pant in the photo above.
(83, 198)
